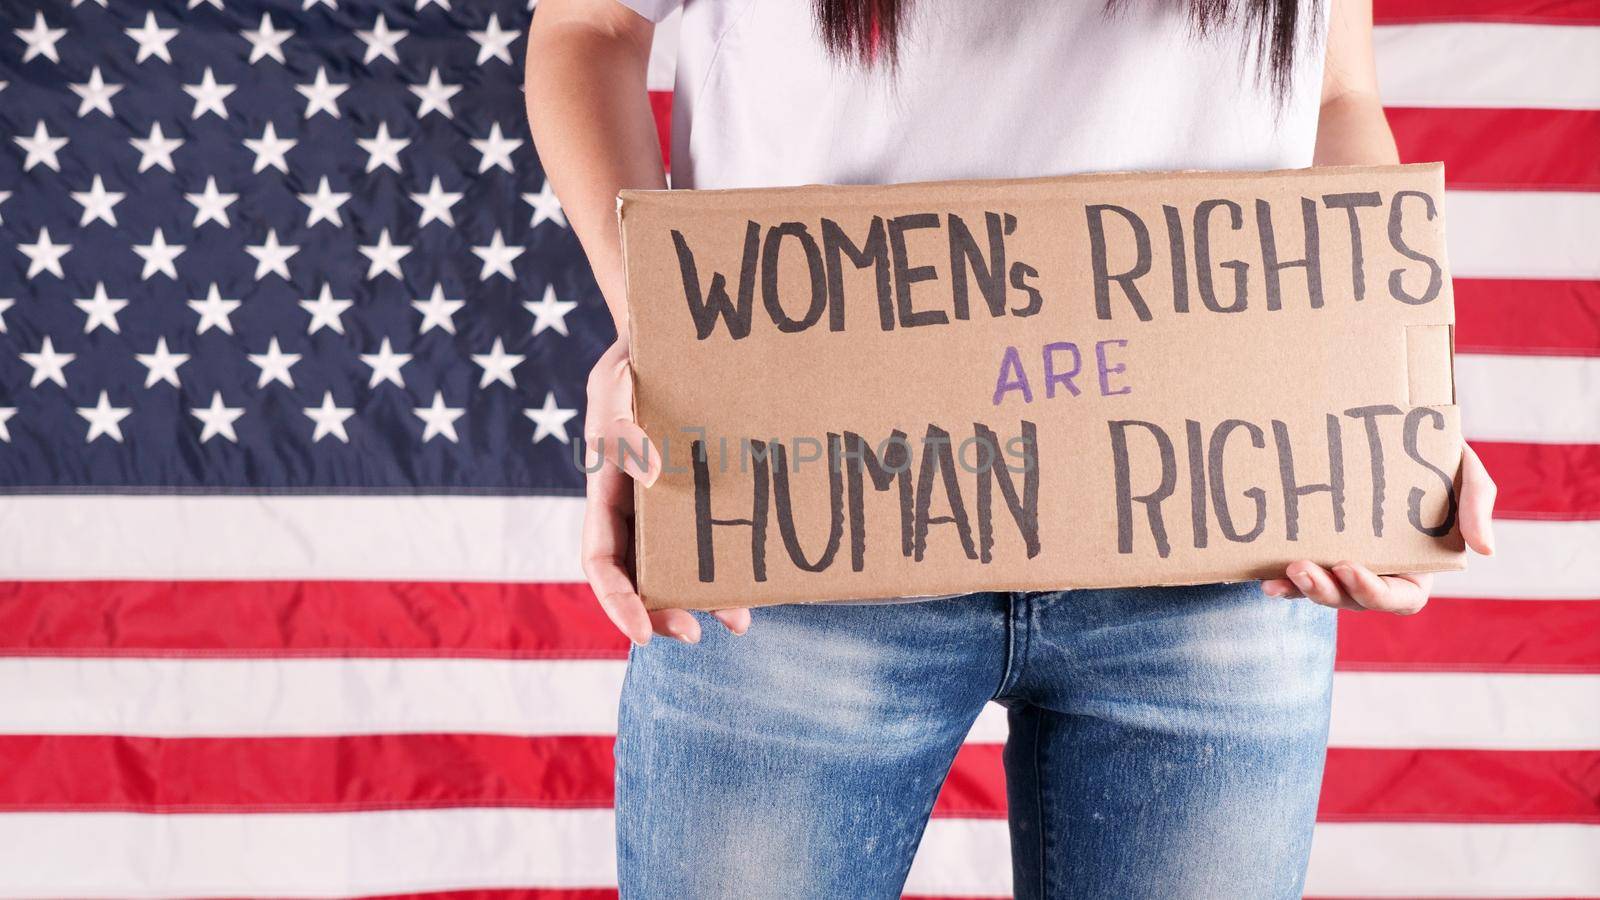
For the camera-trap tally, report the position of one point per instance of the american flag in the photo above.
(292, 352)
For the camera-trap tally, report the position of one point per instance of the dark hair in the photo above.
(867, 32)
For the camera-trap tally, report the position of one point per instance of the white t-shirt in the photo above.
(985, 89)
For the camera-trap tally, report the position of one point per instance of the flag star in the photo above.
(269, 150)
(41, 148)
(436, 204)
(330, 418)
(325, 311)
(99, 3)
(48, 365)
(435, 96)
(437, 311)
(496, 150)
(550, 420)
(497, 258)
(439, 420)
(383, 150)
(331, 4)
(381, 41)
(321, 95)
(494, 41)
(95, 94)
(546, 206)
(443, 4)
(6, 412)
(43, 255)
(104, 419)
(98, 203)
(209, 96)
(497, 365)
(384, 256)
(211, 205)
(324, 205)
(266, 41)
(101, 309)
(161, 365)
(4, 196)
(5, 304)
(386, 365)
(156, 150)
(152, 39)
(41, 39)
(272, 256)
(217, 419)
(195, 3)
(159, 256)
(274, 365)
(549, 312)
(214, 311)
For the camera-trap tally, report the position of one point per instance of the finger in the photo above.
(628, 448)
(676, 623)
(735, 620)
(1280, 587)
(604, 548)
(1478, 492)
(1318, 586)
(1399, 594)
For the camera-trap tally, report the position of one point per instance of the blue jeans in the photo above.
(1164, 743)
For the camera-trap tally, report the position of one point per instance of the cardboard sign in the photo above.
(1108, 380)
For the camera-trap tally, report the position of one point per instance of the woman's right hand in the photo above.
(608, 513)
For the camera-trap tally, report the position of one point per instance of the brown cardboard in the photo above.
(1239, 394)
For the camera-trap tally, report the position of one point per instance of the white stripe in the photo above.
(664, 53)
(1536, 399)
(1429, 860)
(1489, 65)
(1523, 234)
(399, 538)
(1465, 710)
(1532, 561)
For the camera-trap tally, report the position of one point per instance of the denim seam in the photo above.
(1043, 868)
(1017, 616)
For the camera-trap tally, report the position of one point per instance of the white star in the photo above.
(435, 96)
(329, 418)
(497, 365)
(497, 258)
(41, 148)
(439, 420)
(269, 150)
(266, 41)
(436, 204)
(96, 94)
(217, 419)
(97, 203)
(325, 311)
(48, 365)
(437, 311)
(381, 41)
(331, 4)
(324, 205)
(214, 311)
(4, 196)
(152, 39)
(99, 3)
(6, 412)
(384, 256)
(209, 96)
(5, 304)
(195, 3)
(101, 309)
(159, 256)
(43, 255)
(550, 420)
(272, 256)
(383, 150)
(274, 365)
(443, 4)
(211, 205)
(156, 150)
(494, 41)
(496, 150)
(546, 206)
(161, 365)
(386, 365)
(104, 419)
(41, 39)
(549, 312)
(322, 96)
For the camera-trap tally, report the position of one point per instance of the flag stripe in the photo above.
(1465, 710)
(1411, 785)
(1529, 398)
(1544, 481)
(1488, 65)
(1532, 560)
(1523, 234)
(1554, 12)
(1503, 149)
(1475, 635)
(1526, 316)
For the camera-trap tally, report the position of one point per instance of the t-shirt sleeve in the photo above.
(654, 10)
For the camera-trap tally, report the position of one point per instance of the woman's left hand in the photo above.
(1350, 585)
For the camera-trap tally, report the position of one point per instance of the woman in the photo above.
(1163, 742)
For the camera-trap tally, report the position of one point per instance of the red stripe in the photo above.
(304, 618)
(1503, 149)
(1555, 12)
(1536, 317)
(1549, 482)
(1456, 635)
(661, 107)
(1461, 786)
